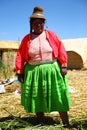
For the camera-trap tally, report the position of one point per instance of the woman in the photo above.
(41, 66)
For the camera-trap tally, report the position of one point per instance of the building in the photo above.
(76, 51)
(8, 51)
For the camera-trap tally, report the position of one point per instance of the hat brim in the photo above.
(37, 16)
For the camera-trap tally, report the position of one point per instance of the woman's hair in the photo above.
(31, 21)
(30, 25)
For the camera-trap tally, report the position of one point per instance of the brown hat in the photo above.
(37, 13)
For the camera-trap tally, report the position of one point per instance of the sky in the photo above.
(67, 18)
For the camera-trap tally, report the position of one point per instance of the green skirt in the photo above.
(44, 89)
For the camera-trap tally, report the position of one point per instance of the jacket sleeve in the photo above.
(19, 64)
(21, 56)
(58, 48)
(62, 55)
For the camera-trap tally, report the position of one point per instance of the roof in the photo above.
(77, 44)
(9, 45)
(70, 44)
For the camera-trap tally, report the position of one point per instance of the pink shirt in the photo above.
(40, 49)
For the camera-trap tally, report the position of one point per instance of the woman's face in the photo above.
(38, 26)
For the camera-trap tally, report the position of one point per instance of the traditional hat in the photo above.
(37, 13)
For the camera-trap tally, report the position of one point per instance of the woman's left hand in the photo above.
(63, 71)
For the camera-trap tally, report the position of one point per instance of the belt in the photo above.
(43, 62)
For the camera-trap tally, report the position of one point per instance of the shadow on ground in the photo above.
(11, 122)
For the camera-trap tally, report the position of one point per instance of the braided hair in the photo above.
(31, 25)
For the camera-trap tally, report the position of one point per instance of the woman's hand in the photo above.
(63, 71)
(20, 77)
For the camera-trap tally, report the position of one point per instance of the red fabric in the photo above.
(59, 51)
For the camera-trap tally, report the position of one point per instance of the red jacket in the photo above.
(59, 51)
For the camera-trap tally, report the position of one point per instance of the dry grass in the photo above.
(10, 103)
(78, 80)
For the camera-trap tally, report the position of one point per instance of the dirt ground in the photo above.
(10, 103)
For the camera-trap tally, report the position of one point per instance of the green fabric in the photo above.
(44, 89)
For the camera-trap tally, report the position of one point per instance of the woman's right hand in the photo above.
(20, 77)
